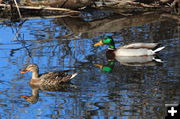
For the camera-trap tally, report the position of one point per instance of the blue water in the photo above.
(67, 43)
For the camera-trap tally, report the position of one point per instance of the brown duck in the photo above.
(50, 79)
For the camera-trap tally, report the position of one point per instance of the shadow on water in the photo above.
(67, 44)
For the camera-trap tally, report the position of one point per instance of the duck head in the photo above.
(108, 41)
(30, 68)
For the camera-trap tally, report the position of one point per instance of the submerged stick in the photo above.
(18, 9)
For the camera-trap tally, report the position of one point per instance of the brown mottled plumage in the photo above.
(52, 78)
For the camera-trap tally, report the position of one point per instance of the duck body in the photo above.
(53, 78)
(134, 54)
(138, 49)
(134, 49)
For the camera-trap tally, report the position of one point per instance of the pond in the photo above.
(128, 91)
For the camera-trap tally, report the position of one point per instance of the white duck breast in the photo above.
(140, 59)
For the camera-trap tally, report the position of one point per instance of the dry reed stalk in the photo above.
(18, 9)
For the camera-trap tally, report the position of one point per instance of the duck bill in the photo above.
(25, 97)
(24, 71)
(99, 43)
(99, 66)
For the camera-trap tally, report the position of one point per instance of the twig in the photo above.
(18, 9)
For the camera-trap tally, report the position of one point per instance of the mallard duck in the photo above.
(134, 49)
(53, 78)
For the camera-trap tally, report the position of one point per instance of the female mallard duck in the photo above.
(134, 49)
(52, 78)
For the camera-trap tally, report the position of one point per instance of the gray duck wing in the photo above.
(140, 45)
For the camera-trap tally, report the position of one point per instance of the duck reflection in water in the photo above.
(34, 97)
(64, 87)
(130, 61)
(50, 81)
(107, 68)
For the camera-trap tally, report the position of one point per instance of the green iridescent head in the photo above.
(108, 40)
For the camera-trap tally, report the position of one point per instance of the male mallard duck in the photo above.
(52, 78)
(134, 49)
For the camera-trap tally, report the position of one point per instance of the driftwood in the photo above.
(71, 4)
(55, 7)
(142, 5)
(76, 4)
(39, 10)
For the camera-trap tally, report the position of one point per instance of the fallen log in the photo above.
(70, 4)
(31, 10)
(140, 5)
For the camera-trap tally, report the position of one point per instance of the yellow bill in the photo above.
(99, 43)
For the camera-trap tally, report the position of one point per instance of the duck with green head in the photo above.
(134, 49)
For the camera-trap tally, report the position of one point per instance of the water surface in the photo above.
(67, 43)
